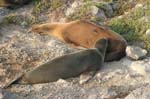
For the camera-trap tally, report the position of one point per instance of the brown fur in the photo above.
(85, 34)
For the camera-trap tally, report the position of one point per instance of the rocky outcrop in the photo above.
(135, 53)
(21, 51)
(141, 67)
(140, 93)
(8, 95)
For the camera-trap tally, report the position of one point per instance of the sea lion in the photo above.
(13, 3)
(85, 34)
(67, 66)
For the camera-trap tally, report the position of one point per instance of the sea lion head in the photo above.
(101, 45)
(43, 28)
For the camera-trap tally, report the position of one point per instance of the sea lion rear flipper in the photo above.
(13, 81)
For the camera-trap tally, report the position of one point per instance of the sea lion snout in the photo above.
(36, 28)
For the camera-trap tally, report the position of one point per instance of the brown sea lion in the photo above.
(85, 34)
(67, 66)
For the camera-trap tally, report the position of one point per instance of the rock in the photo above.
(107, 8)
(69, 11)
(147, 32)
(85, 77)
(135, 53)
(23, 19)
(61, 81)
(115, 5)
(98, 14)
(4, 11)
(9, 95)
(73, 8)
(140, 93)
(140, 67)
(94, 10)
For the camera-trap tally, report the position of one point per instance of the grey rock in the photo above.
(115, 5)
(140, 67)
(72, 8)
(69, 11)
(140, 93)
(135, 52)
(107, 8)
(8, 95)
(4, 11)
(98, 13)
(94, 10)
(23, 19)
(64, 90)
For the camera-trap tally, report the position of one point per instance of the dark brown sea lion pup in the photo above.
(85, 34)
(13, 3)
(67, 66)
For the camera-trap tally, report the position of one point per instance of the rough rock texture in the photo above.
(135, 52)
(98, 13)
(114, 80)
(140, 93)
(8, 95)
(108, 10)
(141, 67)
(73, 8)
(21, 51)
